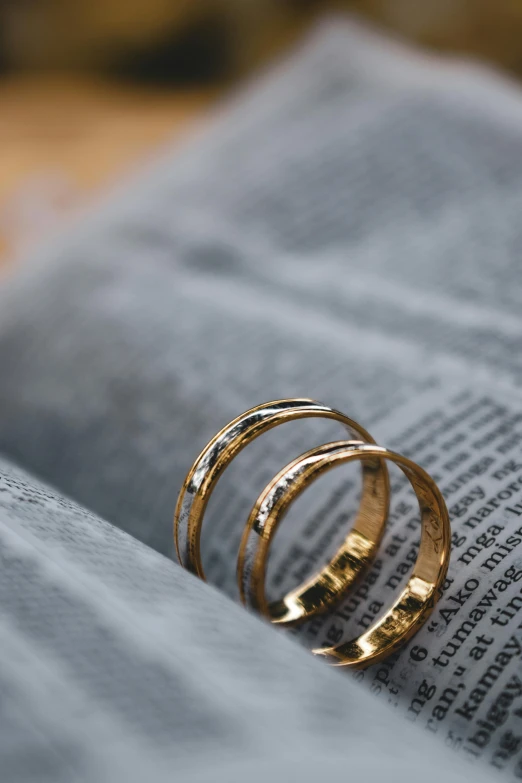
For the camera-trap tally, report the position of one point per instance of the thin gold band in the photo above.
(419, 596)
(354, 554)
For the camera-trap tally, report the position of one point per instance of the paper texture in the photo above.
(118, 665)
(347, 230)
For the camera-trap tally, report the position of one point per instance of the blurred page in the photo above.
(116, 665)
(349, 230)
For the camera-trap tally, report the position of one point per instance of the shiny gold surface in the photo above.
(356, 552)
(358, 549)
(420, 594)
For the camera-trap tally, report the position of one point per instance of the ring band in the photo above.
(419, 596)
(221, 450)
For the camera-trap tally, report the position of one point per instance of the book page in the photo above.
(347, 230)
(118, 665)
(460, 677)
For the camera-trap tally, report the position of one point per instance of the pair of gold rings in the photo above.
(358, 549)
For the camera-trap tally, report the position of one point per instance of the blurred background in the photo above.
(90, 88)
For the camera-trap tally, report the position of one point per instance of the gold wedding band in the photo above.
(419, 596)
(356, 551)
(321, 591)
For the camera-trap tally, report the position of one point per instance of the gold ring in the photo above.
(355, 552)
(420, 594)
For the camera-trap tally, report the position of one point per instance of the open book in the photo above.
(348, 229)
